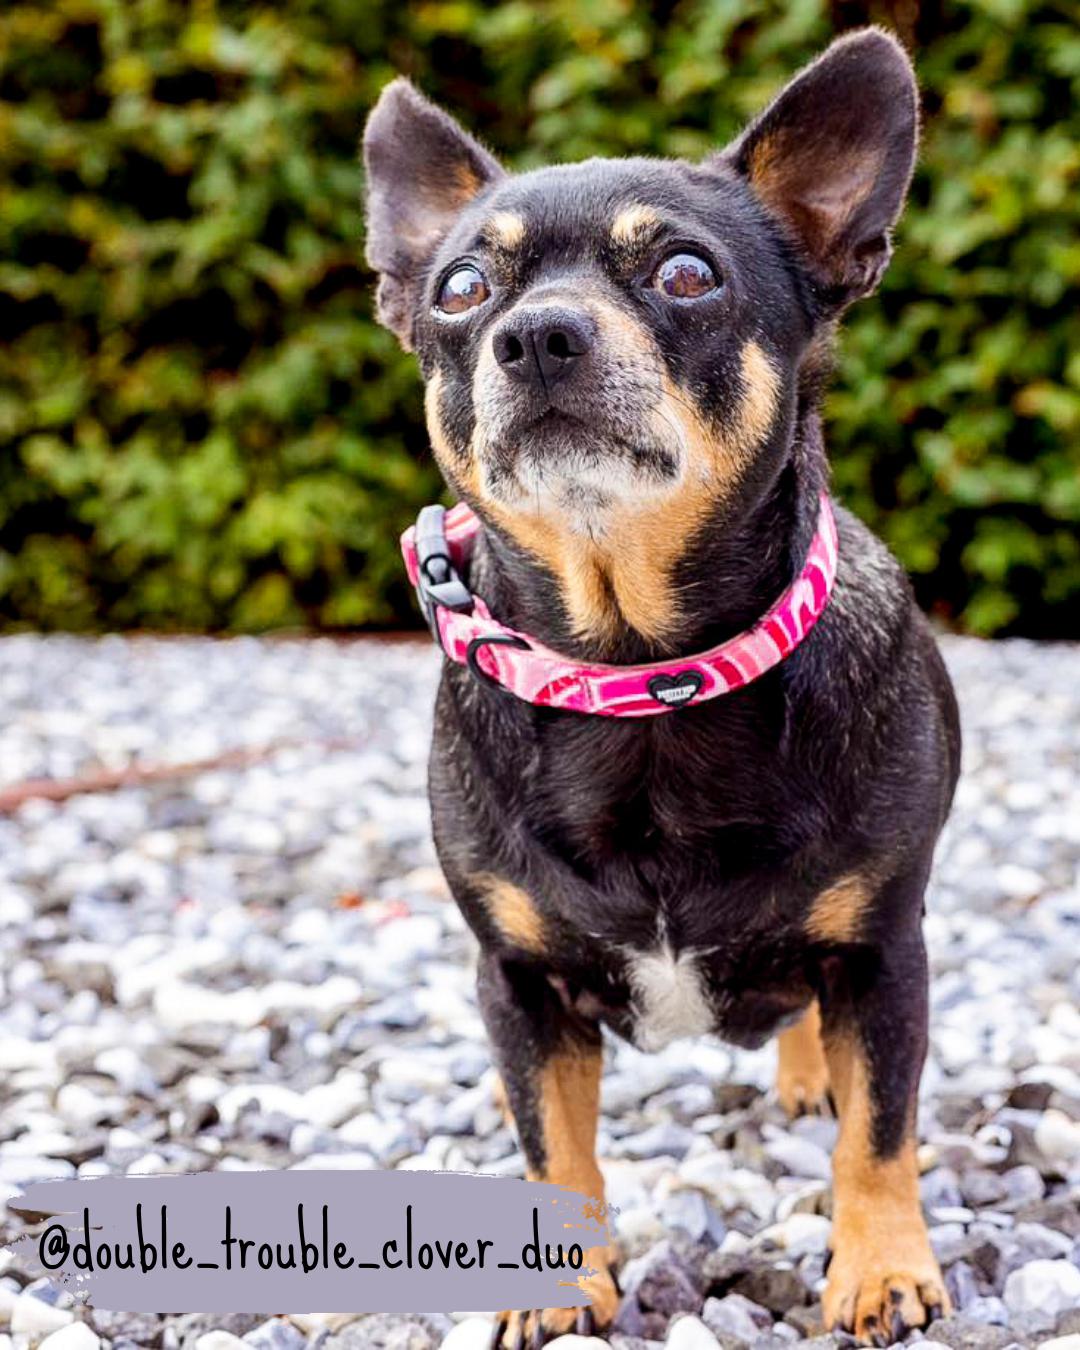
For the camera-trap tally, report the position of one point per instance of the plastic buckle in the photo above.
(437, 580)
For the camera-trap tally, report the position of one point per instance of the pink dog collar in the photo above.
(437, 549)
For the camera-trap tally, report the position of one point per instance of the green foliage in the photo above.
(201, 427)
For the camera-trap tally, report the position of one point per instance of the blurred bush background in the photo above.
(201, 427)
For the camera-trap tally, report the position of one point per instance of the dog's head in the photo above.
(619, 342)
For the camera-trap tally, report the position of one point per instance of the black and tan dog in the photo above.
(623, 361)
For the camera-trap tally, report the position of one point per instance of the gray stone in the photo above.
(690, 1212)
(991, 1310)
(734, 1316)
(629, 1319)
(808, 1321)
(962, 1285)
(1042, 1290)
(941, 1187)
(667, 1140)
(1059, 1212)
(776, 1287)
(141, 1328)
(668, 1287)
(799, 1158)
(277, 1333)
(391, 1331)
(965, 1333)
(723, 1268)
(191, 1326)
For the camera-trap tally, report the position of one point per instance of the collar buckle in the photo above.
(437, 579)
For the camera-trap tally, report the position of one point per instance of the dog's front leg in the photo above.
(550, 1062)
(883, 1278)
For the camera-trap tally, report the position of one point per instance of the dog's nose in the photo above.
(541, 345)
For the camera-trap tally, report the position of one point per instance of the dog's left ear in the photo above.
(832, 158)
(422, 169)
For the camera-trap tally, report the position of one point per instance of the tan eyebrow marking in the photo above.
(632, 222)
(505, 228)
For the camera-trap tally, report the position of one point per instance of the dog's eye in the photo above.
(463, 289)
(684, 276)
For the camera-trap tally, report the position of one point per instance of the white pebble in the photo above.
(691, 1333)
(219, 1340)
(1057, 1137)
(35, 1318)
(474, 1333)
(75, 1336)
(1043, 1290)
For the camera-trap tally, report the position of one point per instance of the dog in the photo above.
(623, 362)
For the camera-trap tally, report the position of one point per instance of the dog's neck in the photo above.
(734, 569)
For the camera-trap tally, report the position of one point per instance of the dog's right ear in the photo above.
(831, 158)
(422, 170)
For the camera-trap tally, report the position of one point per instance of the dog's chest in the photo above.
(744, 987)
(689, 921)
(670, 997)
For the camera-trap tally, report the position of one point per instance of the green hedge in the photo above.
(200, 426)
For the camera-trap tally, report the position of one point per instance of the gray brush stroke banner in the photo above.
(437, 1219)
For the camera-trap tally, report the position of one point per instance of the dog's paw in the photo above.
(802, 1071)
(804, 1091)
(530, 1330)
(880, 1303)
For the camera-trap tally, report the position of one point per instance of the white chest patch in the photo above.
(669, 997)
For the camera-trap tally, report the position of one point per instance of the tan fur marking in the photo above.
(439, 446)
(501, 1101)
(882, 1261)
(818, 209)
(802, 1075)
(837, 913)
(462, 478)
(569, 1089)
(624, 576)
(441, 200)
(761, 389)
(465, 183)
(513, 912)
(505, 229)
(569, 1092)
(632, 222)
(646, 542)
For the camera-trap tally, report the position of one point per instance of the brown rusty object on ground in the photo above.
(139, 775)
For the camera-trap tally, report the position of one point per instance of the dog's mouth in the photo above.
(575, 459)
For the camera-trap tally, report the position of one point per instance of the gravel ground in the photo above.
(256, 966)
